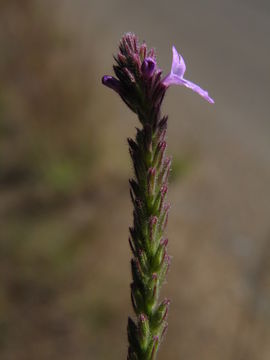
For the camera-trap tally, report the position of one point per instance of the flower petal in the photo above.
(197, 89)
(172, 79)
(178, 64)
(176, 80)
(176, 77)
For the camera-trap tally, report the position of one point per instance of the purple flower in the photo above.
(176, 76)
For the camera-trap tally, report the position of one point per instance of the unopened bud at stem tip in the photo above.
(148, 67)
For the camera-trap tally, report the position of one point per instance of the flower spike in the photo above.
(176, 77)
(140, 85)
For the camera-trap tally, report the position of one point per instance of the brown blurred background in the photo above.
(64, 169)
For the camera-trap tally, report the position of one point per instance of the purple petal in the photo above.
(175, 80)
(178, 64)
(172, 80)
(197, 89)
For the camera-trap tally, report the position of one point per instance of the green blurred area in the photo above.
(64, 169)
(47, 161)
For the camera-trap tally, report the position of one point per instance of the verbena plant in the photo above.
(141, 86)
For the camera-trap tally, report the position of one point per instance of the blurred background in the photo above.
(64, 169)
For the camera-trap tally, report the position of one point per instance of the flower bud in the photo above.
(148, 67)
(111, 83)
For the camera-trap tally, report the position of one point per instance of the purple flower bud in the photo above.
(148, 67)
(111, 83)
